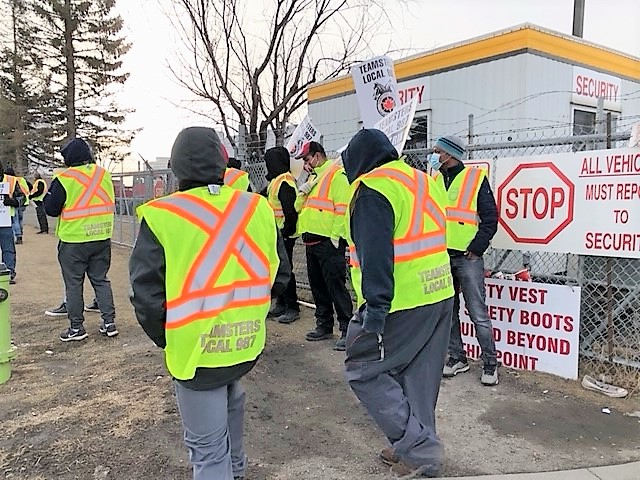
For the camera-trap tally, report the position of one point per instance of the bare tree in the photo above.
(254, 61)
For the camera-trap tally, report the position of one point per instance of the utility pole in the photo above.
(578, 17)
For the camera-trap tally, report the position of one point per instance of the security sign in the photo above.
(535, 212)
(584, 203)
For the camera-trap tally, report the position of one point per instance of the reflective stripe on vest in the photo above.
(233, 178)
(226, 236)
(273, 190)
(82, 207)
(321, 200)
(462, 210)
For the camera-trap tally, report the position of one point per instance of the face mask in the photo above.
(434, 161)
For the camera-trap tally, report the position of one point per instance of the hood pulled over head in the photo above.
(76, 152)
(197, 157)
(277, 161)
(368, 149)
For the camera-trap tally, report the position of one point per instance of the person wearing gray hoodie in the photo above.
(397, 340)
(203, 295)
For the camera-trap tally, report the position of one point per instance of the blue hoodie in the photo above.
(372, 223)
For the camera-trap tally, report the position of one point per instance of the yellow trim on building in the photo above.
(526, 37)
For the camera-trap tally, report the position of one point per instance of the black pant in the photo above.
(327, 271)
(42, 216)
(92, 259)
(289, 298)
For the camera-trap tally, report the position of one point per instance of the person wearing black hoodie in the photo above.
(397, 340)
(281, 194)
(83, 197)
(203, 295)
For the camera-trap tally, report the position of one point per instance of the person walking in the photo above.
(82, 196)
(13, 199)
(396, 342)
(472, 221)
(322, 204)
(203, 296)
(36, 195)
(281, 194)
(22, 193)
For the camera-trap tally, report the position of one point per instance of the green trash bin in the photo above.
(7, 352)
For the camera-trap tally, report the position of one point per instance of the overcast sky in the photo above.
(421, 25)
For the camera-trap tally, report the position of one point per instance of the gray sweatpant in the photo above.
(92, 259)
(400, 391)
(213, 426)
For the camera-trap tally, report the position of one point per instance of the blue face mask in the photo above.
(434, 161)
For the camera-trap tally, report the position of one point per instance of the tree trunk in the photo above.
(69, 27)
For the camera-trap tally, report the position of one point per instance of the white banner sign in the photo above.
(584, 203)
(535, 326)
(5, 213)
(376, 89)
(396, 125)
(588, 86)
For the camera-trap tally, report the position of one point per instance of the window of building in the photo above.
(584, 123)
(418, 133)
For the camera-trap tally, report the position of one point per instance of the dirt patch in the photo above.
(105, 409)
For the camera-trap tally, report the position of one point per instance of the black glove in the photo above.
(10, 201)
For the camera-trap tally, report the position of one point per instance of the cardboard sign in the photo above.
(5, 212)
(376, 89)
(397, 124)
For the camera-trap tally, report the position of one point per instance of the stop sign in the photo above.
(535, 202)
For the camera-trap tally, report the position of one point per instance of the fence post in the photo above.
(470, 137)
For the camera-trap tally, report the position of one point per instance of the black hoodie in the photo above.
(196, 160)
(372, 223)
(278, 162)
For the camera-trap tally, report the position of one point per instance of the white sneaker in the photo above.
(489, 376)
(591, 383)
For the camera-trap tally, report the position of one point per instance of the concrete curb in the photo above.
(626, 471)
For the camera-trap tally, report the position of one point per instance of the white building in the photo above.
(522, 78)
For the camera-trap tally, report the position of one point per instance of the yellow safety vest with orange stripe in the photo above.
(37, 182)
(219, 273)
(88, 212)
(273, 190)
(322, 211)
(235, 178)
(462, 207)
(421, 269)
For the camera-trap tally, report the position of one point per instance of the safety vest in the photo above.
(462, 207)
(219, 273)
(235, 178)
(421, 269)
(36, 183)
(87, 214)
(12, 181)
(323, 210)
(273, 190)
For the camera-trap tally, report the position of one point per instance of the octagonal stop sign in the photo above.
(535, 202)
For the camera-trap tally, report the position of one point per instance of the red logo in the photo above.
(531, 213)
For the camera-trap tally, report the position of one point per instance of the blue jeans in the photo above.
(468, 277)
(8, 247)
(16, 221)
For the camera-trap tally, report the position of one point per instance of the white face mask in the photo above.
(434, 161)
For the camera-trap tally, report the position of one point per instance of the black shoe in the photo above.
(73, 334)
(108, 329)
(318, 334)
(12, 280)
(61, 311)
(276, 311)
(341, 344)
(93, 307)
(18, 240)
(42, 231)
(289, 316)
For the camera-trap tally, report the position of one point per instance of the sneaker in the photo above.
(18, 240)
(341, 344)
(489, 375)
(42, 231)
(454, 367)
(276, 311)
(12, 281)
(108, 329)
(61, 311)
(289, 316)
(318, 334)
(404, 469)
(607, 389)
(93, 307)
(73, 334)
(388, 456)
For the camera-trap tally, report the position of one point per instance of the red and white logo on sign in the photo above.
(535, 202)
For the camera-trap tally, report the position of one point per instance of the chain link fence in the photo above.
(610, 304)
